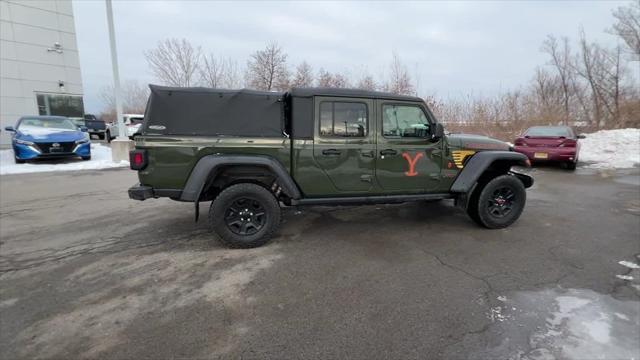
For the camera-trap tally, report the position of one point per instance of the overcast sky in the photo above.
(452, 48)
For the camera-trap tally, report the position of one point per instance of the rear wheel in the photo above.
(499, 203)
(245, 216)
(107, 135)
(101, 136)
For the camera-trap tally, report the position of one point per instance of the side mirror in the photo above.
(438, 133)
(83, 129)
(10, 128)
(581, 136)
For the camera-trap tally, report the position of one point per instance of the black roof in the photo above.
(296, 91)
(308, 92)
(202, 90)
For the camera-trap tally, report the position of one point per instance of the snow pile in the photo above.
(611, 149)
(100, 159)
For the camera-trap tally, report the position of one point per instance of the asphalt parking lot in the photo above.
(85, 272)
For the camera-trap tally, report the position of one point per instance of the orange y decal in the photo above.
(412, 163)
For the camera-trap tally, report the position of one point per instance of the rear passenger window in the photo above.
(343, 119)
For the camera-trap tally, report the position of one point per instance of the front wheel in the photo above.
(107, 135)
(245, 216)
(19, 161)
(85, 158)
(499, 203)
(571, 165)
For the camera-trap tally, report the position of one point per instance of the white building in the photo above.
(40, 67)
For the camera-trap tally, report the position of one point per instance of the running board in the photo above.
(382, 199)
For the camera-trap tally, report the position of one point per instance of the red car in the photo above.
(557, 144)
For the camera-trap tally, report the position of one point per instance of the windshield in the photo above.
(62, 124)
(549, 131)
(79, 122)
(136, 120)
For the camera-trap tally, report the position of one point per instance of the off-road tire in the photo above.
(571, 165)
(484, 197)
(220, 210)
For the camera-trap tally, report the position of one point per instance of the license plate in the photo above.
(540, 155)
(56, 149)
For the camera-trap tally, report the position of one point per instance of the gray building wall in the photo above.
(38, 55)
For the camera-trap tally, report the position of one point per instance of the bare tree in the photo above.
(134, 99)
(613, 71)
(267, 69)
(627, 26)
(548, 94)
(219, 72)
(366, 82)
(329, 80)
(174, 62)
(303, 76)
(400, 80)
(561, 60)
(588, 66)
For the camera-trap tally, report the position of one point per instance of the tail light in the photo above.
(519, 142)
(137, 159)
(568, 143)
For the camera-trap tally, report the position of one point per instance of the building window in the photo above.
(343, 119)
(60, 105)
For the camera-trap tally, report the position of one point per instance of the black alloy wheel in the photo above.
(497, 203)
(245, 216)
(501, 202)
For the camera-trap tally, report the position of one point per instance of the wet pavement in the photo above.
(86, 273)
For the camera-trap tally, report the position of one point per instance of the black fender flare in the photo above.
(481, 161)
(207, 165)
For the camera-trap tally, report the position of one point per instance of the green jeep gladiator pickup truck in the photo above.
(250, 152)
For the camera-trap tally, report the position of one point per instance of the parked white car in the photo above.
(132, 123)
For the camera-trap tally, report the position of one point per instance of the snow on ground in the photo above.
(100, 159)
(608, 149)
(558, 323)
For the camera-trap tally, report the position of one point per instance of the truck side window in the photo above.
(404, 121)
(343, 119)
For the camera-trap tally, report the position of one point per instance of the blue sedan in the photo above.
(46, 137)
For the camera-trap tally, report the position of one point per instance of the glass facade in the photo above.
(60, 105)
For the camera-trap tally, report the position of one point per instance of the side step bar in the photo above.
(381, 199)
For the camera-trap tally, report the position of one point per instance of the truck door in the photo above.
(344, 142)
(407, 159)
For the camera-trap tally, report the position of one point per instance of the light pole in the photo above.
(121, 145)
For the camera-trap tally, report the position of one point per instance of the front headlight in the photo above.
(82, 141)
(24, 142)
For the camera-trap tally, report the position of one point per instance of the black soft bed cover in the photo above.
(213, 112)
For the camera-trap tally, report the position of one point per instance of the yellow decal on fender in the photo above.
(460, 155)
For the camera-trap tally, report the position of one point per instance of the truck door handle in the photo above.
(367, 154)
(388, 152)
(331, 152)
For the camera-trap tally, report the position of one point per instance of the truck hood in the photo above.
(476, 142)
